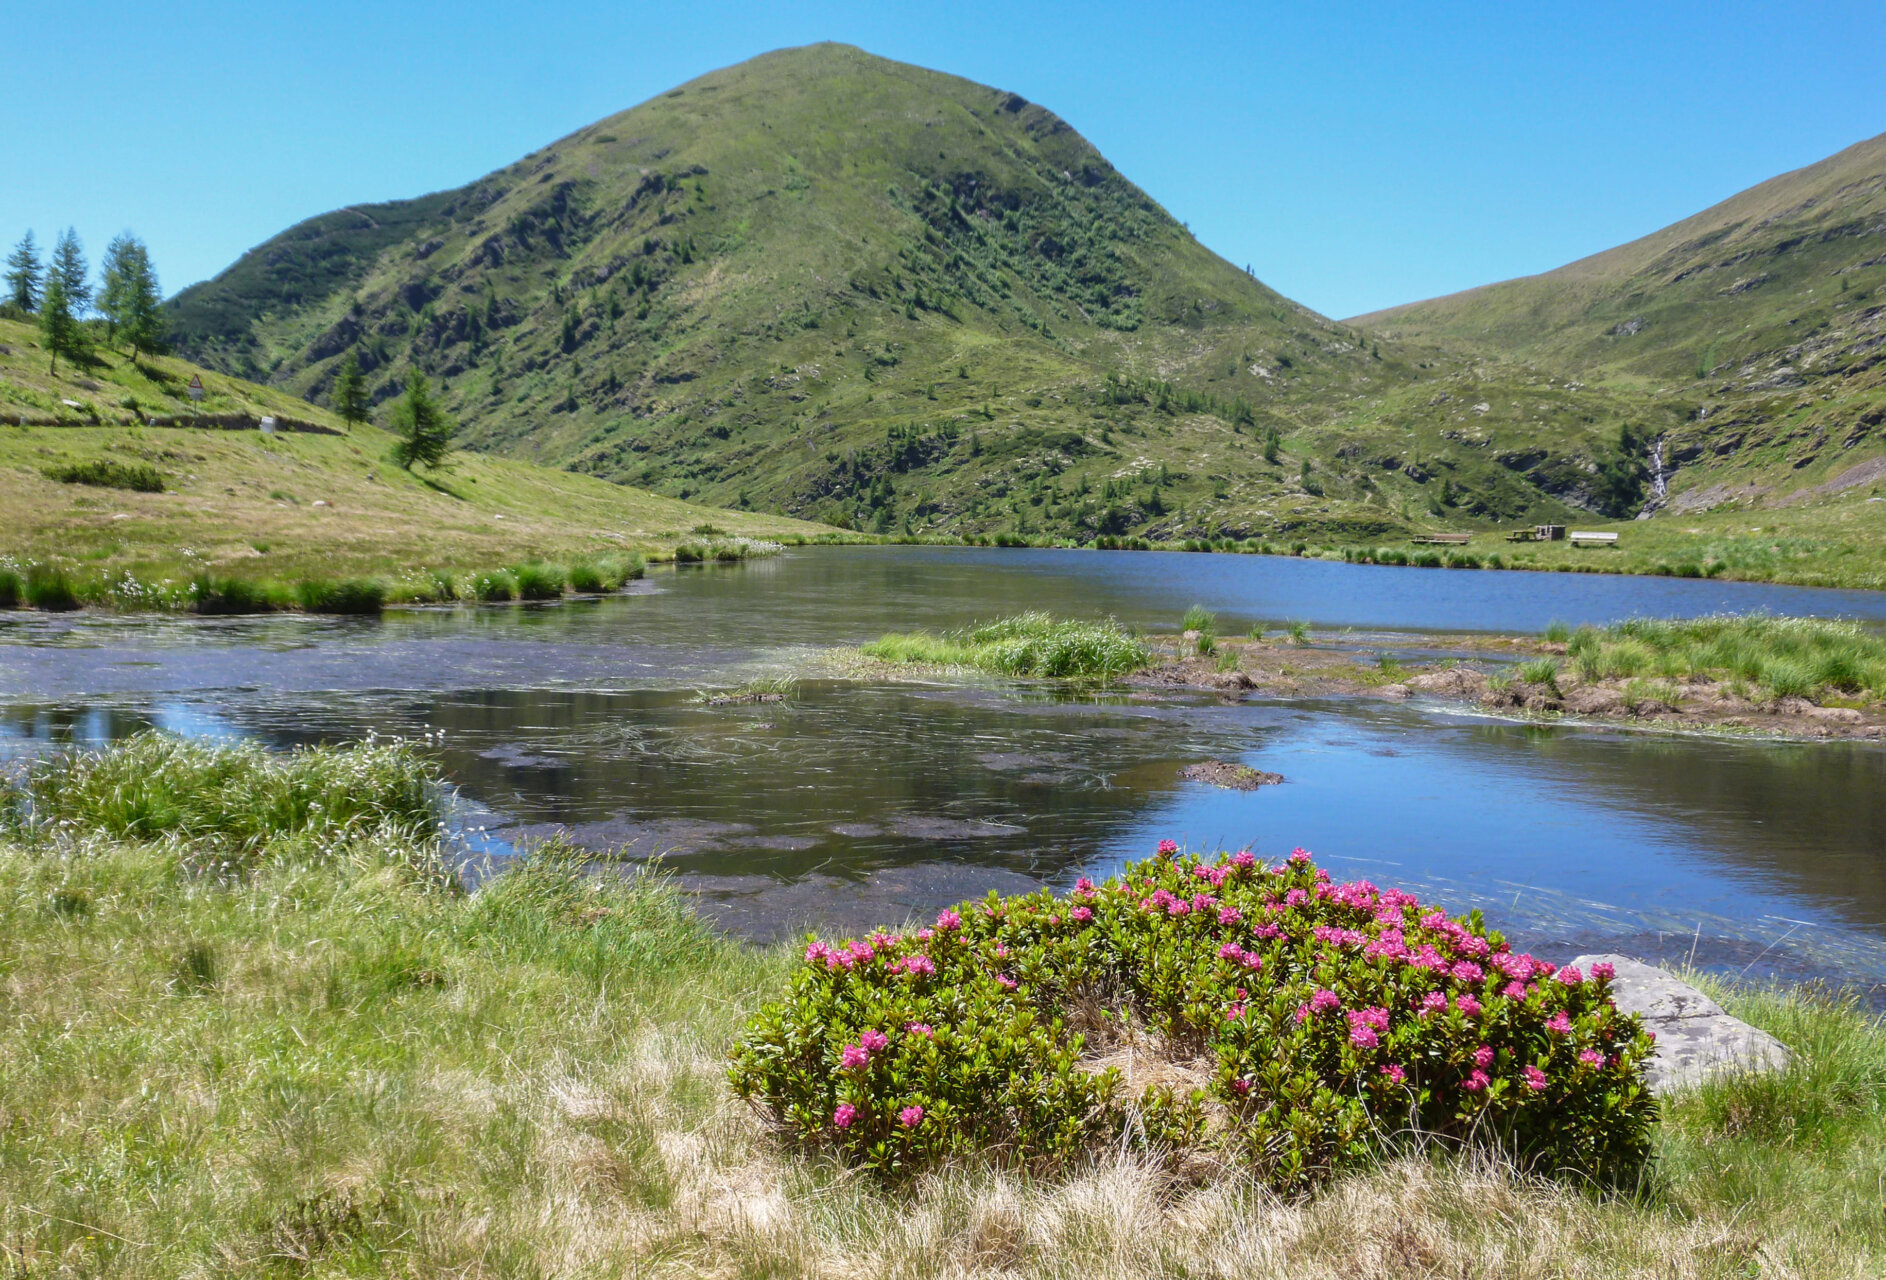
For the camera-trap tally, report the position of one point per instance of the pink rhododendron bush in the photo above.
(1306, 1026)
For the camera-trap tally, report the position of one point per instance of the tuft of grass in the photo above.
(1298, 631)
(1558, 632)
(216, 594)
(1029, 644)
(538, 581)
(9, 589)
(1641, 694)
(494, 587)
(232, 798)
(1543, 672)
(109, 473)
(1199, 618)
(48, 587)
(758, 689)
(350, 595)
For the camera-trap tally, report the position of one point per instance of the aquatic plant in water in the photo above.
(1309, 1026)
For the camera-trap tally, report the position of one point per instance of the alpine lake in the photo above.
(855, 802)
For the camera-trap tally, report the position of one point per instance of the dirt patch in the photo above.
(1232, 777)
(1866, 472)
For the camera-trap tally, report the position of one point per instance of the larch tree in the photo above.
(68, 263)
(131, 300)
(425, 433)
(350, 392)
(59, 330)
(25, 275)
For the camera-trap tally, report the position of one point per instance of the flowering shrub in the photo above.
(1320, 1023)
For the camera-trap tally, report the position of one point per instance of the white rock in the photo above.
(1695, 1037)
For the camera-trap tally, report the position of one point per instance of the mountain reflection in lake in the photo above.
(854, 804)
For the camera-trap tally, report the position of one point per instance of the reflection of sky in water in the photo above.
(582, 715)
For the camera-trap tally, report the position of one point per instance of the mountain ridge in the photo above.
(831, 285)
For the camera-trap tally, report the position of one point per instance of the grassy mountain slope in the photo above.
(829, 284)
(1760, 322)
(286, 505)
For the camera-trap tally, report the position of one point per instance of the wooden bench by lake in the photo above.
(1444, 539)
(1587, 539)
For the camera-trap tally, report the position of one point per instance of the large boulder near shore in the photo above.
(1696, 1039)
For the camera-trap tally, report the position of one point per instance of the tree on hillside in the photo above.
(425, 433)
(68, 263)
(25, 275)
(59, 330)
(131, 300)
(349, 398)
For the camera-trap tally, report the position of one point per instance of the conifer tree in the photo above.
(350, 392)
(131, 300)
(68, 263)
(25, 275)
(425, 433)
(59, 330)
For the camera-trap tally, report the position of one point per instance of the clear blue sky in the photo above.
(1356, 155)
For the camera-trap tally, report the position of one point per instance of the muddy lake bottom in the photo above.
(853, 803)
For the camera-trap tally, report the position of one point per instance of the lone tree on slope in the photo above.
(425, 433)
(350, 392)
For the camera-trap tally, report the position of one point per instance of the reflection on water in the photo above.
(852, 804)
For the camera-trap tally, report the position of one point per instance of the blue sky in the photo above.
(1356, 155)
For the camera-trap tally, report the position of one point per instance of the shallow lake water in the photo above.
(856, 803)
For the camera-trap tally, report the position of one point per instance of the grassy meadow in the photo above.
(100, 496)
(299, 1049)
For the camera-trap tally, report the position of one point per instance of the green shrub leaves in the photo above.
(1302, 1027)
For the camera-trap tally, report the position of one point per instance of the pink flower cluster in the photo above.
(1367, 1026)
(1322, 1001)
(857, 1055)
(1239, 956)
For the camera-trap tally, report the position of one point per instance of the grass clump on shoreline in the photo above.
(235, 798)
(1800, 657)
(1032, 644)
(340, 1065)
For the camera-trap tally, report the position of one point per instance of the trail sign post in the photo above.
(196, 387)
